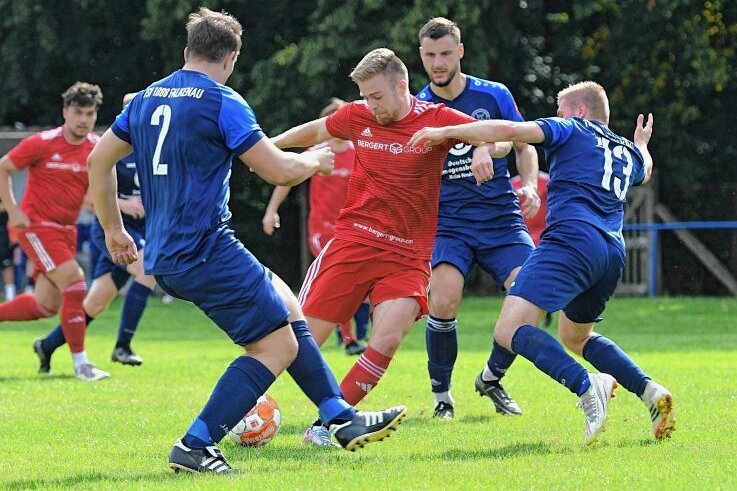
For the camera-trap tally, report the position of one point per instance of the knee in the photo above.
(503, 335)
(443, 306)
(386, 344)
(94, 307)
(47, 310)
(290, 350)
(572, 340)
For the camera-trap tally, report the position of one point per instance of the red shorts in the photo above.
(48, 247)
(345, 273)
(317, 239)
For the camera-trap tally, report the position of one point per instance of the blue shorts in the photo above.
(100, 259)
(497, 251)
(575, 269)
(233, 289)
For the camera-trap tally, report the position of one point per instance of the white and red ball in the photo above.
(260, 425)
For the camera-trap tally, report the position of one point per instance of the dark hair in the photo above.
(83, 94)
(212, 35)
(438, 27)
(334, 105)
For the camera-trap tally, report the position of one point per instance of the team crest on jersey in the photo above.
(481, 114)
(367, 132)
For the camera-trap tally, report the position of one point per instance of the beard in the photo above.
(451, 75)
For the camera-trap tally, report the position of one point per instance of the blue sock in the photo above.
(500, 360)
(361, 317)
(551, 358)
(244, 381)
(55, 339)
(441, 342)
(609, 358)
(135, 303)
(313, 375)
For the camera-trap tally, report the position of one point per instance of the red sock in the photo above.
(346, 331)
(23, 308)
(73, 323)
(364, 375)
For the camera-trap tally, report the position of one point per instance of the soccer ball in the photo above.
(260, 425)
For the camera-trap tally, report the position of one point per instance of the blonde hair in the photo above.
(592, 95)
(127, 98)
(212, 35)
(334, 105)
(380, 60)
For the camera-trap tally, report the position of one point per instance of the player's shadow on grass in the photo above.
(35, 378)
(90, 480)
(501, 453)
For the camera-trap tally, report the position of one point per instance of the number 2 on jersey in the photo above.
(619, 152)
(161, 116)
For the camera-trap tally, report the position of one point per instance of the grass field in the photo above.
(57, 432)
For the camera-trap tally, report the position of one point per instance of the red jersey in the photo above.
(536, 225)
(394, 191)
(57, 176)
(327, 193)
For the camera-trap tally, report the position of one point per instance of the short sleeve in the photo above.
(338, 123)
(121, 127)
(557, 131)
(639, 172)
(238, 124)
(507, 106)
(26, 153)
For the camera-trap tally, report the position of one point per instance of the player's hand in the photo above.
(132, 207)
(428, 137)
(18, 219)
(270, 221)
(643, 133)
(325, 157)
(482, 167)
(529, 201)
(121, 247)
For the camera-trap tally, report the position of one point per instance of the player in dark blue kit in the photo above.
(109, 278)
(476, 224)
(581, 254)
(186, 129)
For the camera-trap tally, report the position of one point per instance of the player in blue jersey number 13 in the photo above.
(185, 130)
(581, 254)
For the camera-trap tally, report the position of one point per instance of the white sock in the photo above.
(445, 397)
(487, 375)
(79, 358)
(9, 291)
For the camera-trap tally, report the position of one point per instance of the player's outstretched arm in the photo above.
(641, 139)
(271, 220)
(481, 131)
(104, 190)
(304, 135)
(286, 168)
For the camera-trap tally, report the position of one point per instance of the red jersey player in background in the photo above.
(385, 232)
(536, 224)
(44, 223)
(327, 196)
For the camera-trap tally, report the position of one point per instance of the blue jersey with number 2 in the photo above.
(185, 130)
(591, 169)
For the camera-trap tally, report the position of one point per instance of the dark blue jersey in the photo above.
(185, 131)
(128, 187)
(591, 169)
(494, 203)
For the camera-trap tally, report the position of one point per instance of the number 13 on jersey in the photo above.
(620, 154)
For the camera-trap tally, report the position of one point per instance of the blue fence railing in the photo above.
(656, 228)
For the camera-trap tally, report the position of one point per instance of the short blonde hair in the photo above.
(592, 95)
(380, 60)
(127, 98)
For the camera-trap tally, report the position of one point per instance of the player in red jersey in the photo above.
(536, 224)
(327, 195)
(385, 232)
(44, 223)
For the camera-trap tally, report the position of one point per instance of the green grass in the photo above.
(56, 432)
